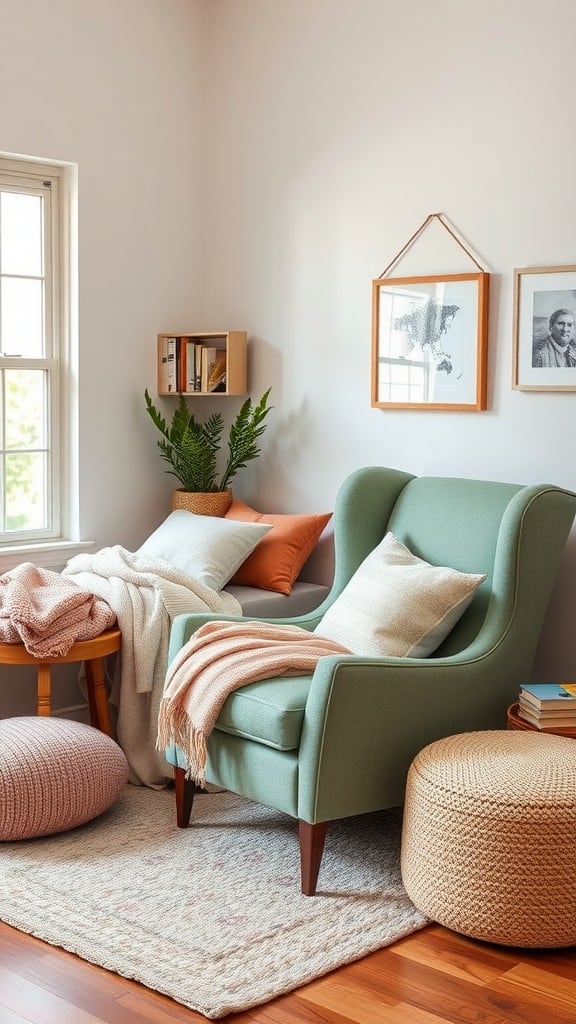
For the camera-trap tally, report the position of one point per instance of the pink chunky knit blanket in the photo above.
(48, 613)
(219, 658)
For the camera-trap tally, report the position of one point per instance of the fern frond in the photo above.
(191, 448)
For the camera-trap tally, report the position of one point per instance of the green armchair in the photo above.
(340, 742)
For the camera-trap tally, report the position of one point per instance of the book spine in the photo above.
(182, 347)
(163, 367)
(567, 723)
(190, 366)
(171, 365)
(198, 366)
(217, 373)
(209, 355)
(551, 704)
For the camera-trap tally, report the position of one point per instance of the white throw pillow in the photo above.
(208, 548)
(397, 605)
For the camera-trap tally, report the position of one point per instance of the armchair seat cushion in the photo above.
(270, 711)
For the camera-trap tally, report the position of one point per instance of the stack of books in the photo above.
(550, 707)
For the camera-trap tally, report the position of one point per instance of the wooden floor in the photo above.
(432, 976)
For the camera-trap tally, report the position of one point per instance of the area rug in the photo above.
(211, 915)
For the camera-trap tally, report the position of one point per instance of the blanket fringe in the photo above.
(176, 726)
(222, 657)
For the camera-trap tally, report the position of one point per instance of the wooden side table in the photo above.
(92, 653)
(515, 721)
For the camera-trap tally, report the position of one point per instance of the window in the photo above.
(33, 352)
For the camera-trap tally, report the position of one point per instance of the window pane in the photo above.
(33, 337)
(21, 312)
(25, 403)
(26, 505)
(21, 234)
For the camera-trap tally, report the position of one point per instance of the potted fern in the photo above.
(192, 447)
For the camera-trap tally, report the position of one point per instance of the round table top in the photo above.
(83, 650)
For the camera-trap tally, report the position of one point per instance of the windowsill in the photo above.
(48, 555)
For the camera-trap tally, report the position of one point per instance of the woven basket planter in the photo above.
(203, 503)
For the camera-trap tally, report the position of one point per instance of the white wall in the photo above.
(116, 88)
(334, 128)
(254, 164)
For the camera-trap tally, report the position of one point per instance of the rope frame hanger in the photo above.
(452, 232)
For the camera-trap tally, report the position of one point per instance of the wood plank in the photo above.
(433, 976)
(540, 989)
(65, 975)
(438, 992)
(34, 1003)
(345, 996)
(8, 1017)
(149, 1006)
(455, 955)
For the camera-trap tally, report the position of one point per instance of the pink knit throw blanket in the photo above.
(47, 612)
(219, 658)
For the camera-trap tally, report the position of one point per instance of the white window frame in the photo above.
(51, 548)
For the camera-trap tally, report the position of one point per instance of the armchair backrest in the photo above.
(513, 533)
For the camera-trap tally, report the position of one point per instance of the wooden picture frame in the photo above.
(544, 329)
(430, 342)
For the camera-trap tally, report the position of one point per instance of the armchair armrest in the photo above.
(367, 718)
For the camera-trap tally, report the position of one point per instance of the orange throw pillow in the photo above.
(276, 561)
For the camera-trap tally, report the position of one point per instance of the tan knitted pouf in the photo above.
(489, 836)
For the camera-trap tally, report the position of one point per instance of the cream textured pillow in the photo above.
(397, 605)
(207, 548)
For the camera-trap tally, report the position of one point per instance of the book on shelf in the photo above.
(180, 365)
(549, 695)
(209, 356)
(547, 723)
(217, 374)
(190, 365)
(172, 381)
(163, 371)
(198, 346)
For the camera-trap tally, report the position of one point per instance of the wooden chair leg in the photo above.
(97, 695)
(44, 689)
(185, 790)
(312, 839)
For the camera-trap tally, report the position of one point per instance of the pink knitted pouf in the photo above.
(55, 774)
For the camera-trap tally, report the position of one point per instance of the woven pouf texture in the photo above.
(55, 774)
(489, 836)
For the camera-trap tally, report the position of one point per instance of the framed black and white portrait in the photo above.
(544, 329)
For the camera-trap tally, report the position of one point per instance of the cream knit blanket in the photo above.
(48, 614)
(146, 594)
(221, 657)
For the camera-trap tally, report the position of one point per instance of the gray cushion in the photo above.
(305, 598)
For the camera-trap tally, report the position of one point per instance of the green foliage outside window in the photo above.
(24, 454)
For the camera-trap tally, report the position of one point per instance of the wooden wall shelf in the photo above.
(210, 363)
